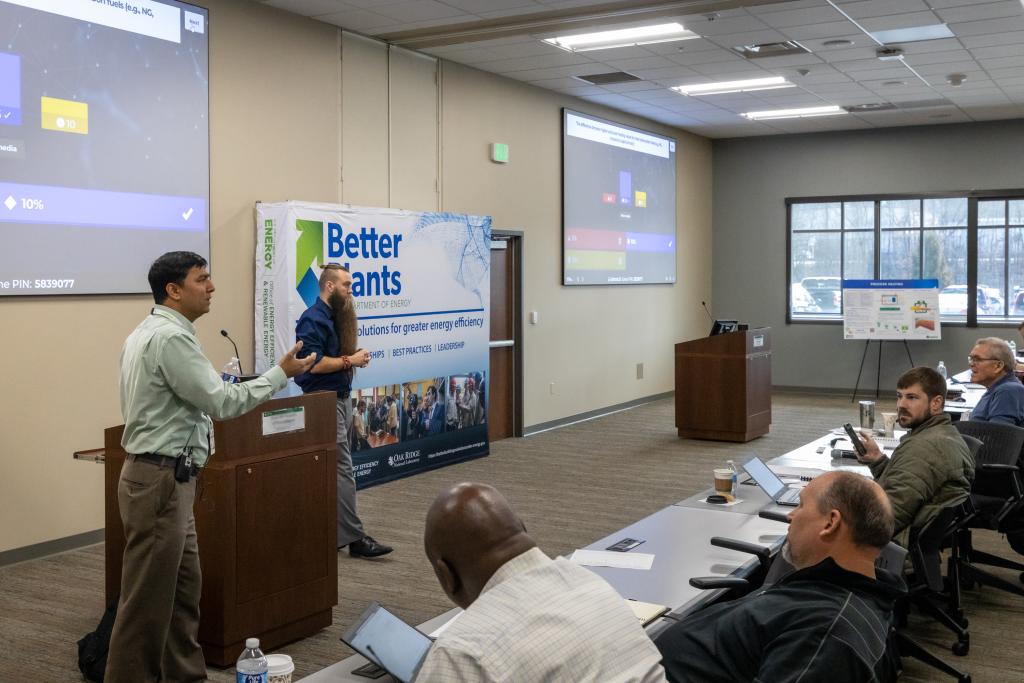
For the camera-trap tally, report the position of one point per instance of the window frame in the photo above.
(972, 196)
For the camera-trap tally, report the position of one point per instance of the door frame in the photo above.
(513, 240)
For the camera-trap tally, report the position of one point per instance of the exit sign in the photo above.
(499, 152)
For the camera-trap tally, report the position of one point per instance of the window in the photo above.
(908, 237)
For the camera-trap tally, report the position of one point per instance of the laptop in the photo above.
(770, 483)
(388, 642)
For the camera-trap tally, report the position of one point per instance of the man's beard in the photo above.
(346, 324)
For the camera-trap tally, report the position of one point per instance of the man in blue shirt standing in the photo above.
(992, 363)
(334, 345)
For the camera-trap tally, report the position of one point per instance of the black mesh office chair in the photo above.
(926, 585)
(997, 494)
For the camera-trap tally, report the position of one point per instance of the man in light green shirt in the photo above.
(169, 392)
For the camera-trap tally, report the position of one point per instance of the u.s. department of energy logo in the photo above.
(309, 256)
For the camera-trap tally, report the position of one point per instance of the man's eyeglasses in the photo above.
(974, 360)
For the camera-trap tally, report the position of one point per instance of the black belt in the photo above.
(161, 461)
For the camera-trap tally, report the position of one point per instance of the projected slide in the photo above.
(618, 203)
(104, 142)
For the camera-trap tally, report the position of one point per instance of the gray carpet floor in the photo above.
(571, 486)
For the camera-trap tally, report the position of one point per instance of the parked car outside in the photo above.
(801, 300)
(826, 292)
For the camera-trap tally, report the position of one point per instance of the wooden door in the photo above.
(504, 410)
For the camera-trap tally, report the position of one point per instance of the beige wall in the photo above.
(300, 112)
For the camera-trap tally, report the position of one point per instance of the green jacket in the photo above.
(930, 469)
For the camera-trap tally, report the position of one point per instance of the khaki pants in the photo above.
(350, 527)
(154, 637)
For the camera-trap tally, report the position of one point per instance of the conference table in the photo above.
(679, 537)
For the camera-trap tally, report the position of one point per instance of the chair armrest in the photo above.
(763, 554)
(706, 582)
(998, 467)
(774, 515)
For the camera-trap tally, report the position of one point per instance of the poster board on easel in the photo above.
(891, 310)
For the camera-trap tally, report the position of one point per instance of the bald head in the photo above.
(471, 531)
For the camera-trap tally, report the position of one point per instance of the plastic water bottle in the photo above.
(735, 476)
(941, 369)
(232, 371)
(251, 666)
(1013, 348)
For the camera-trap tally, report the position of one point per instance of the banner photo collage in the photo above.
(421, 289)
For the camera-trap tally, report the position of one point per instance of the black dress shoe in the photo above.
(367, 547)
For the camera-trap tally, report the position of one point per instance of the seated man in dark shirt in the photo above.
(827, 621)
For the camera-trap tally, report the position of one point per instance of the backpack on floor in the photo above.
(92, 648)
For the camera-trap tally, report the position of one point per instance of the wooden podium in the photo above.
(265, 517)
(724, 386)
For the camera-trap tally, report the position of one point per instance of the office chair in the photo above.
(926, 584)
(997, 493)
(892, 559)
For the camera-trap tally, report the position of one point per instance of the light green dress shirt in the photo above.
(168, 388)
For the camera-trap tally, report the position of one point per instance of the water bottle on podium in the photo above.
(251, 666)
(232, 371)
(941, 369)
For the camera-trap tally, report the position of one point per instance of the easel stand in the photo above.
(878, 376)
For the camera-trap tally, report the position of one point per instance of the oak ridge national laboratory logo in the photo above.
(402, 459)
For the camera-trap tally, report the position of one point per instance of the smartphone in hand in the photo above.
(858, 445)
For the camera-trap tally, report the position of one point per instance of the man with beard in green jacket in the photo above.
(932, 466)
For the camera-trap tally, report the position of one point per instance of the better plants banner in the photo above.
(421, 288)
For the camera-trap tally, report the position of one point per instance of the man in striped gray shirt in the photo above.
(528, 617)
(827, 621)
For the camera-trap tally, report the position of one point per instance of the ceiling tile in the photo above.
(976, 28)
(976, 11)
(735, 24)
(893, 21)
(986, 39)
(801, 17)
(676, 74)
(420, 10)
(536, 62)
(632, 65)
(820, 31)
(705, 57)
(481, 6)
(864, 9)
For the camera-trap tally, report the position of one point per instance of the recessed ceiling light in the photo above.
(838, 42)
(956, 80)
(805, 112)
(912, 34)
(748, 85)
(623, 37)
(893, 84)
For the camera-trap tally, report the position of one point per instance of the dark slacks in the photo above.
(154, 637)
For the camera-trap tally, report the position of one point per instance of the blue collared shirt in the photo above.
(315, 329)
(1003, 402)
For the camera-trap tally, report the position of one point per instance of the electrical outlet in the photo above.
(639, 370)
(552, 388)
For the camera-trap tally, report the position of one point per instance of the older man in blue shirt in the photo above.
(332, 371)
(992, 363)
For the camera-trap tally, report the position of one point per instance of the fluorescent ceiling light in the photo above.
(805, 112)
(913, 34)
(749, 85)
(624, 37)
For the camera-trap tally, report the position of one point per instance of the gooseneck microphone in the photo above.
(710, 317)
(225, 334)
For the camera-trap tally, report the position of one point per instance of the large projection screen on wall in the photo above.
(104, 142)
(618, 203)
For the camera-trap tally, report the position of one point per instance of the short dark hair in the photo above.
(327, 273)
(930, 380)
(172, 267)
(432, 390)
(868, 515)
